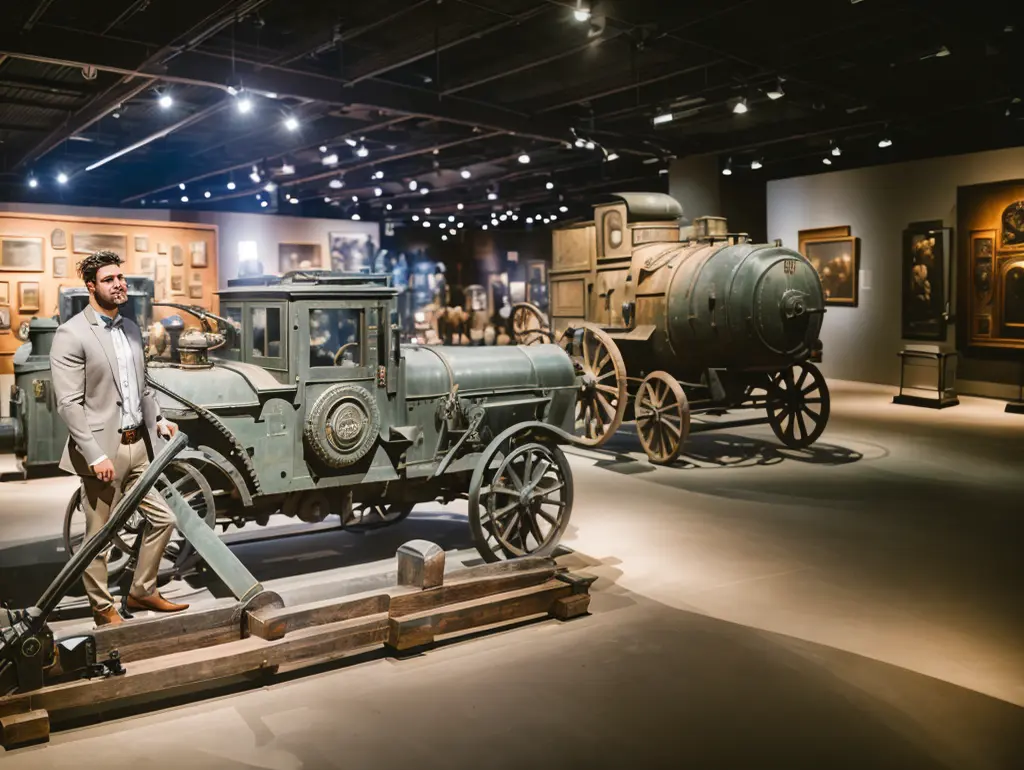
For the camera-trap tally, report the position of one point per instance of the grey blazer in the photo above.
(86, 385)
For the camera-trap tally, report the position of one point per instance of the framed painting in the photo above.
(350, 252)
(88, 243)
(60, 267)
(142, 243)
(177, 256)
(58, 240)
(161, 248)
(5, 293)
(22, 254)
(298, 256)
(198, 251)
(836, 260)
(177, 284)
(5, 320)
(195, 290)
(926, 248)
(28, 297)
(147, 265)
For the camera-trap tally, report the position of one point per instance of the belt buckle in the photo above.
(130, 435)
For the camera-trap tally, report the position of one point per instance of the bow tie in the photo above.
(112, 323)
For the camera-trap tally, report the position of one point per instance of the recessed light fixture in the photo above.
(355, 199)
(293, 200)
(389, 207)
(424, 190)
(484, 227)
(415, 217)
(451, 217)
(444, 237)
(291, 123)
(529, 220)
(426, 224)
(326, 199)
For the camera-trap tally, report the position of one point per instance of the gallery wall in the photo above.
(862, 343)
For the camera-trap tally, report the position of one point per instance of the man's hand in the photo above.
(104, 470)
(166, 428)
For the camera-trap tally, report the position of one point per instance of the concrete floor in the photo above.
(857, 604)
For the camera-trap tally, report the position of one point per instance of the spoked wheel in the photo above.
(798, 405)
(662, 417)
(179, 556)
(602, 399)
(529, 324)
(370, 516)
(520, 500)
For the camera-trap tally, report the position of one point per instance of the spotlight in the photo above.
(254, 175)
(451, 217)
(427, 211)
(563, 209)
(741, 106)
(287, 169)
(351, 142)
(503, 217)
(326, 199)
(453, 231)
(666, 117)
(294, 200)
(335, 184)
(389, 207)
(330, 160)
(549, 186)
(492, 196)
(378, 175)
(33, 182)
(244, 105)
(355, 199)
(413, 184)
(62, 178)
(415, 217)
(524, 158)
(885, 143)
(424, 190)
(836, 152)
(755, 165)
(231, 185)
(166, 101)
(444, 237)
(484, 227)
(181, 185)
(184, 199)
(727, 171)
(529, 220)
(426, 224)
(554, 217)
(515, 217)
(460, 207)
(580, 142)
(323, 148)
(362, 152)
(355, 217)
(612, 156)
(827, 161)
(263, 204)
(206, 194)
(377, 192)
(590, 145)
(466, 173)
(270, 187)
(777, 92)
(582, 12)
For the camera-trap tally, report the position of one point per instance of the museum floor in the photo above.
(855, 605)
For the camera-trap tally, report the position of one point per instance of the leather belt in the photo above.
(131, 435)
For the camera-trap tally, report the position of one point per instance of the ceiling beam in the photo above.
(214, 71)
(36, 15)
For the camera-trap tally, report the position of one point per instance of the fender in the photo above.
(215, 458)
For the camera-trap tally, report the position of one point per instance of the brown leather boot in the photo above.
(108, 617)
(154, 602)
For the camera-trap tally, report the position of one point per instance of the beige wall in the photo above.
(862, 343)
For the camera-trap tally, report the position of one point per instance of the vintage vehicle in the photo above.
(310, 405)
(662, 326)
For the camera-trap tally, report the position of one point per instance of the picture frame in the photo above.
(298, 256)
(925, 268)
(195, 290)
(60, 267)
(5, 293)
(177, 285)
(58, 239)
(21, 254)
(142, 243)
(89, 243)
(161, 248)
(29, 300)
(5, 320)
(198, 251)
(837, 261)
(147, 265)
(177, 255)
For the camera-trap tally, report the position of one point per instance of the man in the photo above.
(99, 379)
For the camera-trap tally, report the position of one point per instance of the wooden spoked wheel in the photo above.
(662, 417)
(179, 556)
(529, 324)
(798, 405)
(370, 516)
(522, 503)
(602, 399)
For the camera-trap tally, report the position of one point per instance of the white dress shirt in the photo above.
(127, 376)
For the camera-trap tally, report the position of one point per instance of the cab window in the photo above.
(335, 337)
(233, 344)
(266, 332)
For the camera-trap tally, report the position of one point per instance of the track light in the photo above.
(206, 194)
(451, 217)
(263, 204)
(184, 199)
(836, 152)
(287, 169)
(426, 224)
(529, 220)
(886, 142)
(389, 207)
(413, 184)
(524, 158)
(355, 199)
(484, 227)
(33, 182)
(424, 190)
(466, 173)
(62, 178)
(323, 149)
(254, 175)
(460, 225)
(291, 123)
(827, 161)
(361, 151)
(181, 185)
(335, 184)
(270, 187)
(755, 165)
(166, 101)
(460, 207)
(427, 211)
(244, 105)
(582, 11)
(741, 106)
(378, 175)
(612, 156)
(563, 209)
(554, 217)
(415, 217)
(326, 199)
(549, 186)
(330, 160)
(492, 196)
(777, 92)
(377, 192)
(444, 237)
(590, 145)
(293, 200)
(665, 117)
(231, 185)
(727, 171)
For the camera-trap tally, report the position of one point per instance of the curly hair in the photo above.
(88, 267)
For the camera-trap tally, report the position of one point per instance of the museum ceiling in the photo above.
(344, 108)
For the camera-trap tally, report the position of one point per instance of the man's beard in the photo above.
(110, 303)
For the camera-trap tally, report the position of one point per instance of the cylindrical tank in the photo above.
(728, 305)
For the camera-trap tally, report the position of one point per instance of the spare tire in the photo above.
(342, 425)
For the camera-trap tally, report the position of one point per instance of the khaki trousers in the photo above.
(99, 499)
